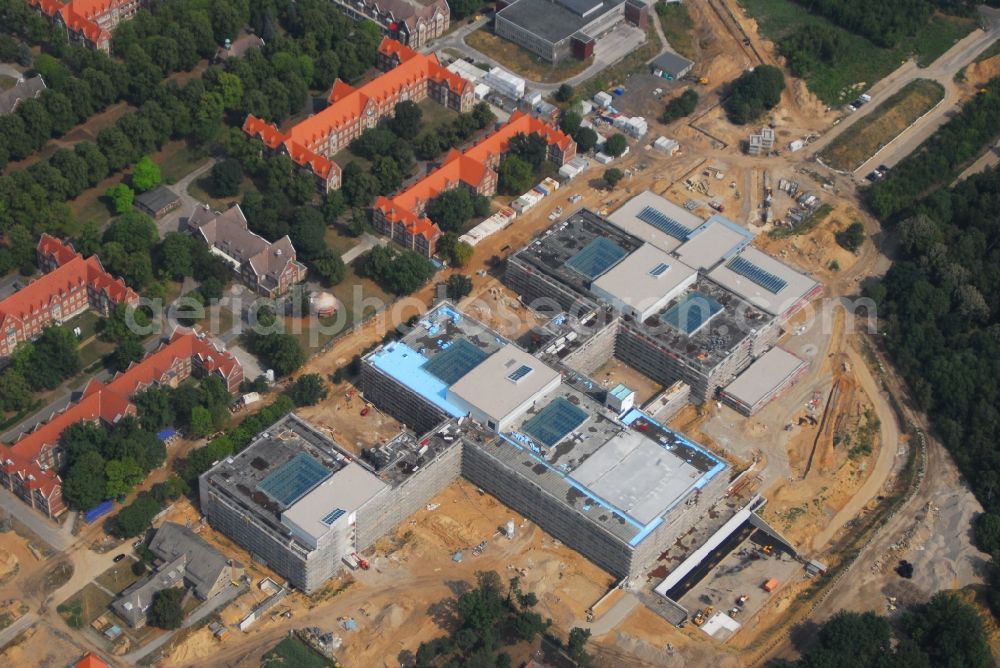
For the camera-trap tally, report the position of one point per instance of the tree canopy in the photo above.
(754, 93)
(398, 271)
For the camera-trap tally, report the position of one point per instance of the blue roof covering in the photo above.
(692, 312)
(596, 257)
(620, 391)
(294, 480)
(166, 434)
(557, 419)
(458, 359)
(399, 361)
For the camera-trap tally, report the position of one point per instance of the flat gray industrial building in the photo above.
(555, 29)
(763, 380)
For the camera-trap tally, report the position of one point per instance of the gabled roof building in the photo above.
(408, 75)
(402, 216)
(30, 466)
(409, 22)
(70, 286)
(270, 268)
(89, 22)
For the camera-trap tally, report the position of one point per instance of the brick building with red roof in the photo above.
(71, 285)
(408, 75)
(30, 466)
(89, 22)
(402, 217)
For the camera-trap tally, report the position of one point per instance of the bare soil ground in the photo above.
(393, 619)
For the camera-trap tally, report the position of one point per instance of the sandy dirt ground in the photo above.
(402, 600)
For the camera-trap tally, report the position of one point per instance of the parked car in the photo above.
(119, 558)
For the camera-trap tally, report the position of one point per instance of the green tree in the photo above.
(166, 611)
(400, 272)
(682, 105)
(124, 322)
(949, 631)
(586, 139)
(451, 209)
(852, 237)
(308, 390)
(201, 422)
(612, 176)
(329, 268)
(15, 393)
(576, 646)
(227, 176)
(458, 287)
(122, 476)
(406, 121)
(125, 353)
(175, 255)
(515, 175)
(615, 145)
(145, 175)
(308, 233)
(570, 122)
(121, 197)
(564, 93)
(135, 231)
(154, 407)
(84, 483)
(754, 93)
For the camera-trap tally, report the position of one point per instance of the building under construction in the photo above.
(549, 442)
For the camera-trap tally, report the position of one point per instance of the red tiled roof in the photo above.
(91, 660)
(110, 402)
(469, 167)
(73, 271)
(80, 15)
(347, 104)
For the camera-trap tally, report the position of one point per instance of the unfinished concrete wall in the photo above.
(594, 351)
(392, 505)
(549, 513)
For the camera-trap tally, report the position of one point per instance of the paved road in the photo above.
(224, 598)
(368, 241)
(21, 624)
(615, 615)
(942, 70)
(172, 221)
(58, 536)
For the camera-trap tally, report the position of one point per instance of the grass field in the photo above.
(119, 577)
(293, 653)
(862, 140)
(678, 27)
(85, 606)
(868, 63)
(523, 62)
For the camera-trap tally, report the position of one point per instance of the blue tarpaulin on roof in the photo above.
(167, 434)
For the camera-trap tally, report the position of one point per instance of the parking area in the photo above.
(641, 97)
(746, 565)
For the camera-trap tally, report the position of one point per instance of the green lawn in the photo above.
(176, 161)
(200, 190)
(293, 653)
(85, 606)
(868, 63)
(678, 27)
(434, 115)
(119, 577)
(339, 242)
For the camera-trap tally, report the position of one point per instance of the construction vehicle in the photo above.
(362, 562)
(699, 618)
(767, 549)
(703, 81)
(742, 599)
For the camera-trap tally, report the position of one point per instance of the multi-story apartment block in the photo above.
(406, 21)
(408, 76)
(402, 216)
(71, 285)
(30, 467)
(89, 22)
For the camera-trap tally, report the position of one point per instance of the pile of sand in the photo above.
(8, 564)
(979, 73)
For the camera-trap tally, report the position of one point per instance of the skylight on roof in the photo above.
(519, 374)
(659, 270)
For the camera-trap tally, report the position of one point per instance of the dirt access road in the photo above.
(942, 70)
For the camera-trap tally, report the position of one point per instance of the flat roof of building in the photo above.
(413, 360)
(672, 62)
(332, 501)
(624, 474)
(279, 470)
(555, 21)
(555, 249)
(768, 373)
(504, 381)
(705, 346)
(645, 278)
(763, 281)
(667, 230)
(717, 239)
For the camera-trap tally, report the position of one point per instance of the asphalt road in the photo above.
(942, 70)
(59, 537)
